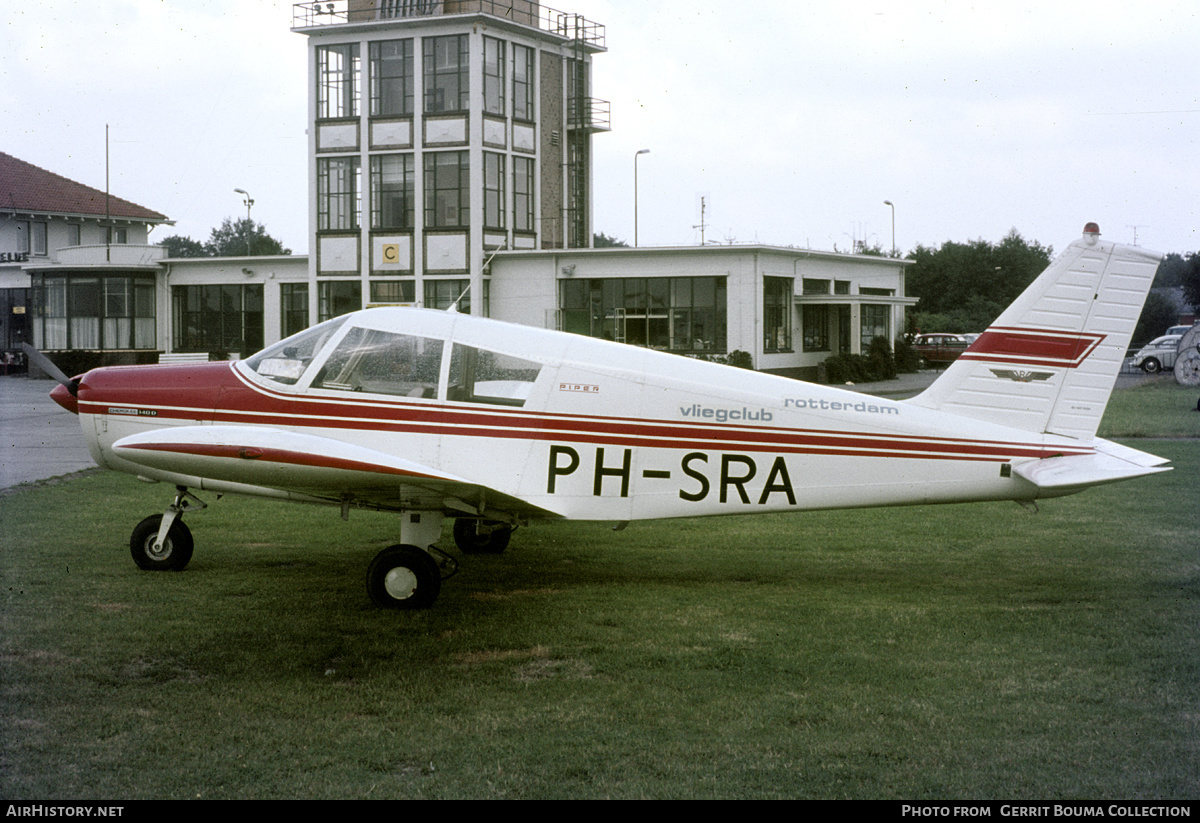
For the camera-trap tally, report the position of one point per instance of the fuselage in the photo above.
(577, 427)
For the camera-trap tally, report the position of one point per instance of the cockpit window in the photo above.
(382, 362)
(479, 376)
(286, 361)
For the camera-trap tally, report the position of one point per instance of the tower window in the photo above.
(392, 77)
(446, 63)
(337, 81)
(447, 192)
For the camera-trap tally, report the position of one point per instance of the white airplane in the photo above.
(435, 414)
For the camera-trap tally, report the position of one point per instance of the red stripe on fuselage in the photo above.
(243, 402)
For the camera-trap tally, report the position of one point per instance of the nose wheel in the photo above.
(162, 542)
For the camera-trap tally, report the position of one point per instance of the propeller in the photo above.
(47, 365)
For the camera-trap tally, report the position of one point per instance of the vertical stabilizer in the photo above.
(1049, 362)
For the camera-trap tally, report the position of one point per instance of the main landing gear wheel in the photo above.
(172, 555)
(403, 577)
(481, 536)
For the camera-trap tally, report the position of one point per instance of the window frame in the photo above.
(884, 312)
(523, 191)
(522, 82)
(338, 184)
(338, 82)
(205, 316)
(777, 314)
(494, 56)
(440, 191)
(494, 211)
(404, 188)
(397, 68)
(446, 84)
(293, 308)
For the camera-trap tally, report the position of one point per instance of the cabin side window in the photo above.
(480, 376)
(380, 362)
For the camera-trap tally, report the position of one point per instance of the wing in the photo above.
(251, 460)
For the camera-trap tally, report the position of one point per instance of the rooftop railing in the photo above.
(573, 27)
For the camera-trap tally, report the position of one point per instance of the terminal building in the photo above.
(450, 165)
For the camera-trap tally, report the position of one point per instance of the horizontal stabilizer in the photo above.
(1110, 462)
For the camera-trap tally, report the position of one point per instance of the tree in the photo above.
(1190, 279)
(603, 241)
(1158, 313)
(1171, 271)
(242, 237)
(963, 287)
(179, 246)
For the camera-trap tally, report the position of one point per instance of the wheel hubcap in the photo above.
(160, 553)
(400, 583)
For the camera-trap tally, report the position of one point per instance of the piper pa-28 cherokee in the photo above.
(437, 414)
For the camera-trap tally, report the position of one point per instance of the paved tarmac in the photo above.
(41, 440)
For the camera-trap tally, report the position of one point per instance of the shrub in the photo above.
(877, 364)
(907, 359)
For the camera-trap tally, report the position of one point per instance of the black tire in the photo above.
(175, 552)
(481, 536)
(1151, 365)
(403, 577)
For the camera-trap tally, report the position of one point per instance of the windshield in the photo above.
(286, 361)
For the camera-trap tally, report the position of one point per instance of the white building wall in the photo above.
(524, 287)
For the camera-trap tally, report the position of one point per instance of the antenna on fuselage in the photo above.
(486, 263)
(454, 305)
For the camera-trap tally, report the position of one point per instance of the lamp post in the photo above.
(249, 202)
(635, 194)
(889, 203)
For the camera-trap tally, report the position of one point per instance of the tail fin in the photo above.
(1049, 362)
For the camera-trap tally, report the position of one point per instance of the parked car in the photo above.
(1180, 330)
(940, 348)
(1158, 354)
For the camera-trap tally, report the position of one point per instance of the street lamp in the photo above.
(635, 194)
(889, 203)
(249, 202)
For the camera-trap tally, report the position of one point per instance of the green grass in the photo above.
(1159, 407)
(919, 653)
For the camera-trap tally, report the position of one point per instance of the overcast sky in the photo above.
(793, 121)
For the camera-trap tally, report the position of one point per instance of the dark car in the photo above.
(940, 348)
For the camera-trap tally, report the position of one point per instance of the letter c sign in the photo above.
(391, 252)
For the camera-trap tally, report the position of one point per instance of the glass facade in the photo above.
(678, 314)
(97, 312)
(220, 318)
